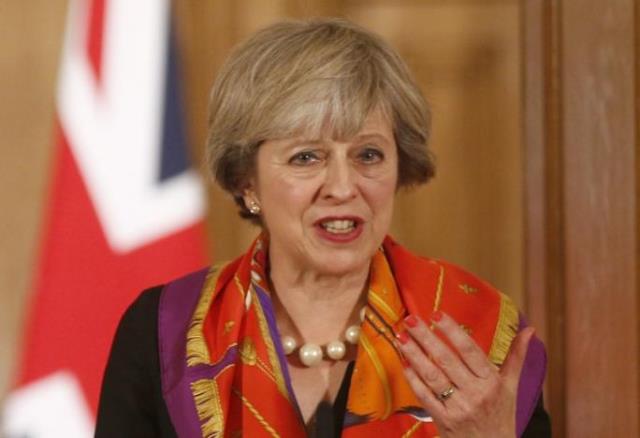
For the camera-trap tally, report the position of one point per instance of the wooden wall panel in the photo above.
(544, 196)
(582, 184)
(600, 171)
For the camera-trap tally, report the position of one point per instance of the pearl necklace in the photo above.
(311, 354)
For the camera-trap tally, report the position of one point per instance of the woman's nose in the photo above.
(339, 183)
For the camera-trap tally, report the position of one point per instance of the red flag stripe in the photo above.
(95, 33)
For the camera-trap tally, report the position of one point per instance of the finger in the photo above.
(424, 394)
(512, 366)
(426, 370)
(470, 353)
(439, 352)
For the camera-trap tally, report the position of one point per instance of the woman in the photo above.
(325, 326)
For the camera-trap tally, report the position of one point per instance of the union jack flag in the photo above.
(125, 211)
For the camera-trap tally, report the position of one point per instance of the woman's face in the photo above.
(327, 205)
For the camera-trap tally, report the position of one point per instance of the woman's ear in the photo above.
(251, 200)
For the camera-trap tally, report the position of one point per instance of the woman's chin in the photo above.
(340, 263)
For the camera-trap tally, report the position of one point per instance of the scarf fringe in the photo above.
(197, 349)
(207, 399)
(506, 330)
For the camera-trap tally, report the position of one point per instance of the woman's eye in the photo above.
(304, 158)
(370, 155)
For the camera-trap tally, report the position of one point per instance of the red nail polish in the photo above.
(411, 321)
(403, 337)
(436, 316)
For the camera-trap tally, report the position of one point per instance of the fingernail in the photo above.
(411, 321)
(403, 337)
(436, 316)
(404, 362)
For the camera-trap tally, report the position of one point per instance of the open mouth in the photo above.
(341, 226)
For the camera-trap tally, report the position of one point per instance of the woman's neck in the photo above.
(315, 306)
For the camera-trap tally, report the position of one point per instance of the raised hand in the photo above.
(466, 394)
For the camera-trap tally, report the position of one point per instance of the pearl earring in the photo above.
(254, 208)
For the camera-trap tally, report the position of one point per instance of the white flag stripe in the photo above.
(51, 407)
(114, 129)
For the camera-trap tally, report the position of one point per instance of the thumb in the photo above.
(512, 365)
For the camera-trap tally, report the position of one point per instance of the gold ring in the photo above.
(446, 393)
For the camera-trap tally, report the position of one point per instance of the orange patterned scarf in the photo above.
(233, 331)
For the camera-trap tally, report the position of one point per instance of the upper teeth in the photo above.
(338, 226)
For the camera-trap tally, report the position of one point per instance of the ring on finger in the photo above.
(446, 393)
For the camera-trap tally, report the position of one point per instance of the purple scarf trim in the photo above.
(177, 304)
(531, 380)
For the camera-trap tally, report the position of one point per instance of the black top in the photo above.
(131, 403)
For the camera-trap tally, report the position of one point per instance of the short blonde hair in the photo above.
(307, 77)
